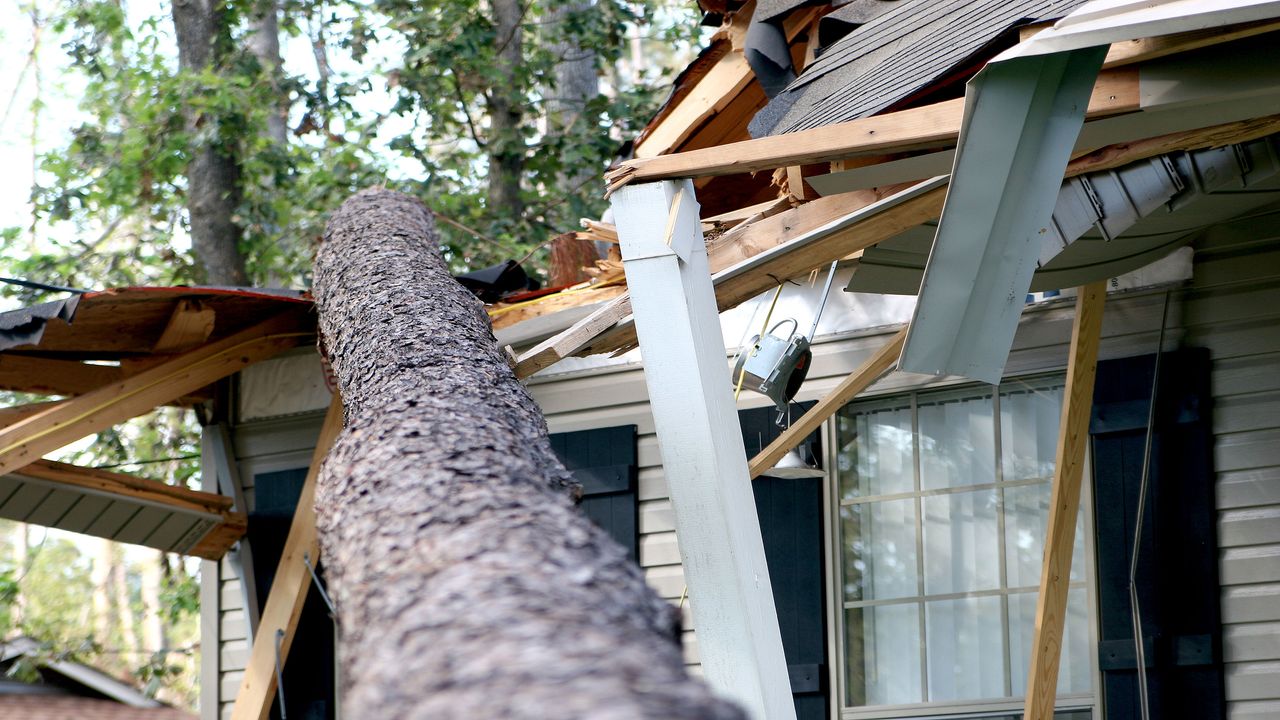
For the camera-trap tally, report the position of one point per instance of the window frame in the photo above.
(836, 603)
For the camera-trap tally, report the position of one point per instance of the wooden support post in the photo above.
(703, 457)
(289, 589)
(847, 390)
(27, 440)
(1073, 435)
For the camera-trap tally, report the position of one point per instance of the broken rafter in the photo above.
(931, 126)
(607, 329)
(25, 441)
(190, 325)
(1133, 51)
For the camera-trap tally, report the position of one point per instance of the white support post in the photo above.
(703, 457)
(217, 445)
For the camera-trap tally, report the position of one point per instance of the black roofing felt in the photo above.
(896, 54)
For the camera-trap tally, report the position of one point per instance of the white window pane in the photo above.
(961, 543)
(1074, 675)
(1029, 433)
(965, 649)
(877, 456)
(957, 443)
(879, 541)
(1026, 513)
(883, 644)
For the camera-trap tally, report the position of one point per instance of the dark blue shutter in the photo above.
(1177, 577)
(604, 462)
(309, 669)
(791, 524)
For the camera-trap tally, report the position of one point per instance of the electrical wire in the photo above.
(1134, 608)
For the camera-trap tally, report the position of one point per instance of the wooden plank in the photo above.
(289, 589)
(190, 325)
(1064, 504)
(47, 376)
(875, 366)
(1133, 51)
(29, 439)
(570, 341)
(12, 415)
(920, 128)
(503, 316)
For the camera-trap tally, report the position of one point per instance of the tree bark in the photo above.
(213, 175)
(264, 44)
(467, 584)
(506, 146)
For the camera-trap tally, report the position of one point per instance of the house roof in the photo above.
(71, 690)
(127, 322)
(913, 47)
(70, 707)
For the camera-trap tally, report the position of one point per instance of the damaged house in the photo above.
(955, 321)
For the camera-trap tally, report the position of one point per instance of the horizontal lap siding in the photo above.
(1234, 310)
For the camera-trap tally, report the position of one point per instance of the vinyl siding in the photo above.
(1232, 307)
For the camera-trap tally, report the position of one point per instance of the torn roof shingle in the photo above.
(894, 56)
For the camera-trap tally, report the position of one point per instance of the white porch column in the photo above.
(703, 457)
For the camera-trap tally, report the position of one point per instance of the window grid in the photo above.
(918, 493)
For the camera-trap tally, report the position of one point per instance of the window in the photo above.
(942, 502)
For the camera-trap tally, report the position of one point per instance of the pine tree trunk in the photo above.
(264, 44)
(467, 583)
(213, 175)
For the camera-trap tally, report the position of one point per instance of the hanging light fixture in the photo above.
(792, 466)
(776, 365)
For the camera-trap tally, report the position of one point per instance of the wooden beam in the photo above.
(717, 89)
(289, 589)
(871, 370)
(231, 525)
(47, 376)
(1064, 503)
(921, 128)
(27, 440)
(1133, 51)
(502, 316)
(570, 341)
(190, 325)
(18, 413)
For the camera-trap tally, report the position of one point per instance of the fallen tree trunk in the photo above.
(467, 584)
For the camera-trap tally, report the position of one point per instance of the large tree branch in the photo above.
(452, 543)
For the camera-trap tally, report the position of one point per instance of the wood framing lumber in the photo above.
(1064, 503)
(1134, 51)
(878, 364)
(570, 341)
(279, 619)
(190, 325)
(503, 316)
(48, 376)
(922, 128)
(217, 540)
(1113, 156)
(17, 413)
(27, 440)
(747, 239)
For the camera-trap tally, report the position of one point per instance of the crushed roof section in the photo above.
(896, 55)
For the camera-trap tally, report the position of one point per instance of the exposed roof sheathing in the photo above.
(127, 322)
(896, 55)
